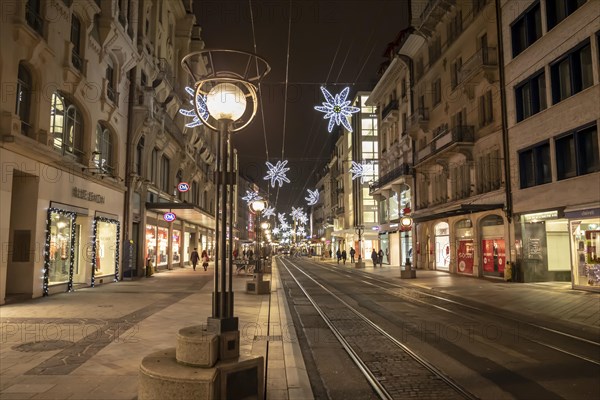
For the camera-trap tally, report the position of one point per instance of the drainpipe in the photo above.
(128, 169)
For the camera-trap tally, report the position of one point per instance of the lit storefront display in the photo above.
(105, 254)
(151, 243)
(162, 243)
(442, 246)
(176, 245)
(493, 245)
(465, 250)
(585, 244)
(60, 247)
(384, 242)
(189, 246)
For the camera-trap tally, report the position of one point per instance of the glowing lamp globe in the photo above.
(264, 225)
(226, 101)
(258, 205)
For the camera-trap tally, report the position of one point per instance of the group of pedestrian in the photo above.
(195, 257)
(377, 257)
(341, 255)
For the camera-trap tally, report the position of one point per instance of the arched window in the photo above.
(103, 151)
(66, 126)
(23, 104)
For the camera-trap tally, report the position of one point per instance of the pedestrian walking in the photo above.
(352, 253)
(374, 257)
(338, 253)
(205, 259)
(330, 253)
(344, 255)
(380, 256)
(194, 257)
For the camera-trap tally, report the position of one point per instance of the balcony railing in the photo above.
(392, 106)
(433, 13)
(457, 134)
(402, 170)
(484, 57)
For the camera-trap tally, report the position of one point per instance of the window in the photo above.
(76, 40)
(454, 72)
(530, 96)
(143, 79)
(164, 173)
(572, 73)
(577, 153)
(23, 103)
(403, 87)
(454, 27)
(103, 151)
(435, 50)
(486, 109)
(33, 17)
(534, 165)
(139, 156)
(154, 166)
(66, 126)
(110, 82)
(195, 193)
(478, 6)
(527, 29)
(179, 177)
(436, 92)
(419, 68)
(557, 10)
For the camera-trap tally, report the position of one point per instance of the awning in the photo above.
(460, 209)
(184, 211)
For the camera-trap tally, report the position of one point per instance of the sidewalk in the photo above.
(89, 344)
(544, 301)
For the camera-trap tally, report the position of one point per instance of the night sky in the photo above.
(332, 43)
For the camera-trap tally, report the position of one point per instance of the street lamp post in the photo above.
(359, 231)
(407, 272)
(257, 285)
(225, 101)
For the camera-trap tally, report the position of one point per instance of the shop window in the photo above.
(61, 243)
(66, 126)
(176, 246)
(103, 151)
(23, 103)
(106, 247)
(465, 247)
(558, 10)
(534, 166)
(572, 73)
(442, 246)
(586, 245)
(162, 245)
(577, 153)
(530, 96)
(526, 29)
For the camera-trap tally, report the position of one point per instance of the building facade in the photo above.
(90, 136)
(551, 64)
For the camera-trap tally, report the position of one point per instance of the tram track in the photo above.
(554, 339)
(363, 347)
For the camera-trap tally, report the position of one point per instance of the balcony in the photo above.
(433, 13)
(480, 65)
(390, 112)
(447, 140)
(418, 120)
(400, 171)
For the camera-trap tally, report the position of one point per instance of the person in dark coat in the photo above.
(344, 255)
(380, 257)
(338, 253)
(352, 253)
(374, 257)
(195, 257)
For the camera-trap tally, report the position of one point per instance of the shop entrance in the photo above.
(21, 254)
(442, 246)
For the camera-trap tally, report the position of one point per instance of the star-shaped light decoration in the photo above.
(201, 100)
(286, 234)
(268, 212)
(284, 226)
(281, 217)
(337, 109)
(276, 173)
(301, 231)
(296, 212)
(313, 197)
(276, 231)
(251, 196)
(303, 218)
(363, 170)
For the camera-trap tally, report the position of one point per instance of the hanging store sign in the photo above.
(183, 187)
(169, 217)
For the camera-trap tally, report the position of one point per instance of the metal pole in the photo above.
(231, 207)
(223, 131)
(215, 308)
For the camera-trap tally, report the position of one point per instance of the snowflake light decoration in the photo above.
(337, 109)
(251, 196)
(286, 234)
(281, 217)
(313, 197)
(296, 212)
(201, 100)
(276, 173)
(303, 219)
(268, 212)
(301, 231)
(363, 170)
(284, 226)
(276, 231)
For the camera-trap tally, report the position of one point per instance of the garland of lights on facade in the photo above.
(95, 245)
(73, 217)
